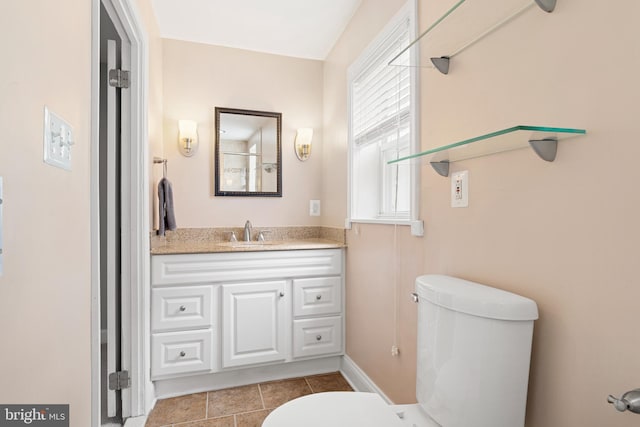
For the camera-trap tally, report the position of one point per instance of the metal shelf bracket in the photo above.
(442, 64)
(442, 167)
(545, 148)
(547, 5)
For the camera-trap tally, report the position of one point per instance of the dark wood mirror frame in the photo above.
(218, 152)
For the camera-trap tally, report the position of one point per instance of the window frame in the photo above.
(408, 11)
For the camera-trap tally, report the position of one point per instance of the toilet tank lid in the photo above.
(475, 299)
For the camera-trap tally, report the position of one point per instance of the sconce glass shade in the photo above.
(303, 143)
(188, 137)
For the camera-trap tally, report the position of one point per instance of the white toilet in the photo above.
(474, 347)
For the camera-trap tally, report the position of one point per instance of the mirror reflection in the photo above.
(247, 153)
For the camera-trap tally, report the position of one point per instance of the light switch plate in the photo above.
(460, 189)
(314, 207)
(58, 139)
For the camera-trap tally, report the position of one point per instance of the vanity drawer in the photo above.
(183, 269)
(184, 307)
(181, 352)
(317, 296)
(313, 337)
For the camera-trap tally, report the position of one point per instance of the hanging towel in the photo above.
(166, 216)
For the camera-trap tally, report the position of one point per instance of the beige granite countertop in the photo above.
(213, 247)
(214, 240)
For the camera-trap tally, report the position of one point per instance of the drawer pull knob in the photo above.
(183, 354)
(183, 308)
(318, 337)
(318, 297)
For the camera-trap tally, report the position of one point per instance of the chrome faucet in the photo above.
(247, 231)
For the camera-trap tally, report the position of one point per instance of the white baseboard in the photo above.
(358, 380)
(135, 422)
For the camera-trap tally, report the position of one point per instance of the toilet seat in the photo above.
(336, 409)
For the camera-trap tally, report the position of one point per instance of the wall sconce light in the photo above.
(188, 137)
(302, 143)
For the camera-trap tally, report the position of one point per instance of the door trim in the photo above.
(135, 242)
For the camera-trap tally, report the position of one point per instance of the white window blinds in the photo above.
(381, 128)
(381, 97)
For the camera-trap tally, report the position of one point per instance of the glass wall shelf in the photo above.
(543, 140)
(467, 22)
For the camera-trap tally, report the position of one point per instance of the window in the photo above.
(383, 109)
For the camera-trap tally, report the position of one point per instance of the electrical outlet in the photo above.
(460, 189)
(314, 207)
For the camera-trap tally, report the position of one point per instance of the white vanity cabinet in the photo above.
(223, 311)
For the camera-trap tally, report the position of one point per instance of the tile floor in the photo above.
(245, 406)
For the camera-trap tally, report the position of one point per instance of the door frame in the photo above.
(135, 218)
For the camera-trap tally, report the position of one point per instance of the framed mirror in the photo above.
(248, 153)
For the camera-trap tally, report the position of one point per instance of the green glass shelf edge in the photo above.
(544, 129)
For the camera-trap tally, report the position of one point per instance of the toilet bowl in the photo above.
(473, 353)
(346, 409)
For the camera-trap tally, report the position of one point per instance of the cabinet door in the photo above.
(254, 321)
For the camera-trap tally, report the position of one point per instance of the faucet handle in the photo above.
(232, 236)
(261, 235)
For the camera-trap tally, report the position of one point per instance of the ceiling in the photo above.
(299, 28)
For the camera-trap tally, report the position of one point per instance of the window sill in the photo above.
(417, 226)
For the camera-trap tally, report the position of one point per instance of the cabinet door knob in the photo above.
(183, 308)
(183, 354)
(318, 297)
(318, 337)
(281, 294)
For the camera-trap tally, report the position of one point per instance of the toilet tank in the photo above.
(474, 348)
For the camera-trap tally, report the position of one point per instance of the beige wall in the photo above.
(562, 233)
(199, 77)
(45, 291)
(382, 264)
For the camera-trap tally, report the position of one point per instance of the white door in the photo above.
(113, 234)
(254, 320)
